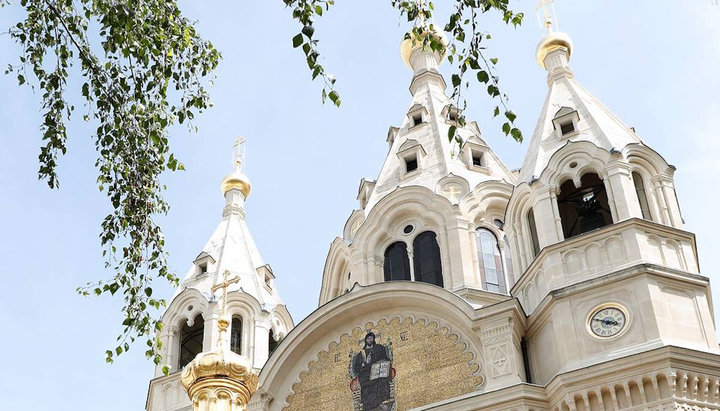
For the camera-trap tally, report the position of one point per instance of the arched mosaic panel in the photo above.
(410, 363)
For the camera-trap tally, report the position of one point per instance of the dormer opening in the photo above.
(477, 158)
(203, 268)
(416, 119)
(567, 128)
(411, 163)
(566, 121)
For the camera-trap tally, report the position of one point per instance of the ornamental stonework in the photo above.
(386, 365)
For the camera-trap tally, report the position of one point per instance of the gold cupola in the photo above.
(415, 41)
(553, 39)
(237, 179)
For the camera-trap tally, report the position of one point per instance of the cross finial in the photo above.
(239, 153)
(545, 10)
(223, 322)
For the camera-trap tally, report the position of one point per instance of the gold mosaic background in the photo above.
(431, 365)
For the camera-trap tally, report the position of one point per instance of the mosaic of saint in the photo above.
(393, 365)
(372, 374)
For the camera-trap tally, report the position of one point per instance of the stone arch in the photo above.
(384, 226)
(291, 362)
(337, 264)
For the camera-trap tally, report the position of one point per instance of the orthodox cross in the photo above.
(545, 17)
(239, 153)
(452, 191)
(223, 323)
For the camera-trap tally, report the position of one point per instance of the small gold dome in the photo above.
(409, 45)
(238, 180)
(211, 368)
(551, 42)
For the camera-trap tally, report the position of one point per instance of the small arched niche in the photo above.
(191, 341)
(583, 208)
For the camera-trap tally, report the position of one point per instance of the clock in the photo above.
(607, 320)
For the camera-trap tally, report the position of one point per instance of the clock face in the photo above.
(607, 321)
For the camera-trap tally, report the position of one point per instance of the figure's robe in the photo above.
(372, 391)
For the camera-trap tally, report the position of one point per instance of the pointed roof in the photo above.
(568, 102)
(437, 157)
(232, 248)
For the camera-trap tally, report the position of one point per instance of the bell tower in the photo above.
(595, 226)
(226, 313)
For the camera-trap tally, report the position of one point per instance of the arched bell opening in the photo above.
(191, 341)
(583, 208)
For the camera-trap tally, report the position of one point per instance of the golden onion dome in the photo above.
(551, 42)
(236, 180)
(211, 368)
(415, 42)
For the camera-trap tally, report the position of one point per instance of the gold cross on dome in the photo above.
(545, 17)
(239, 153)
(224, 285)
(452, 191)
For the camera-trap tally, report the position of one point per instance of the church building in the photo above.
(459, 284)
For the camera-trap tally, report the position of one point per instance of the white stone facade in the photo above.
(590, 222)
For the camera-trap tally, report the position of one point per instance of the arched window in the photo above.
(236, 335)
(583, 209)
(191, 341)
(641, 195)
(491, 264)
(426, 256)
(397, 265)
(272, 342)
(533, 232)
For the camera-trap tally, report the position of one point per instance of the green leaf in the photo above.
(483, 76)
(297, 40)
(510, 116)
(494, 60)
(456, 80)
(506, 128)
(451, 132)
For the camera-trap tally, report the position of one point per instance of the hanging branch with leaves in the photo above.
(144, 68)
(145, 74)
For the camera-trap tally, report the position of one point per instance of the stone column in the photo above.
(621, 191)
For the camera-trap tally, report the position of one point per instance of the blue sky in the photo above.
(654, 64)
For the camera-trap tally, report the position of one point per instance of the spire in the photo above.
(420, 153)
(231, 247)
(570, 112)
